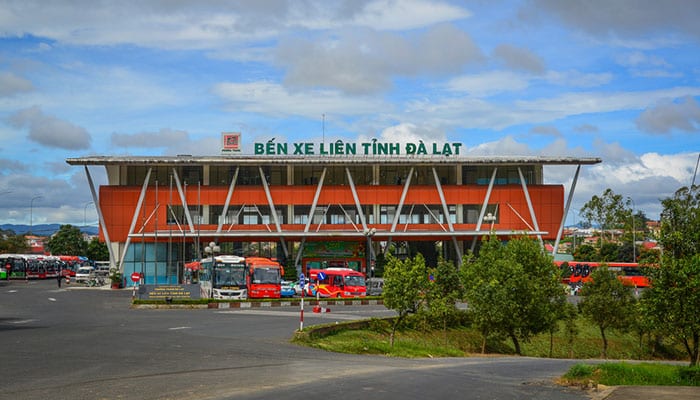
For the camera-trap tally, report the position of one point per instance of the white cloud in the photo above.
(366, 61)
(272, 99)
(683, 114)
(624, 18)
(50, 131)
(519, 59)
(11, 84)
(488, 83)
(209, 24)
(407, 14)
(408, 133)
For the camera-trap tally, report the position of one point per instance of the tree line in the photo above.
(67, 241)
(513, 290)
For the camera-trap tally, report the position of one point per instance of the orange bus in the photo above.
(264, 278)
(576, 273)
(339, 282)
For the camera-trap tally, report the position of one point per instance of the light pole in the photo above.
(369, 233)
(85, 213)
(31, 213)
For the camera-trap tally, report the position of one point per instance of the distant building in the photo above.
(36, 244)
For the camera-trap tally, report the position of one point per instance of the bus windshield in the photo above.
(226, 274)
(352, 280)
(266, 275)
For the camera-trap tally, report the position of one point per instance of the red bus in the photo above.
(576, 273)
(339, 282)
(264, 278)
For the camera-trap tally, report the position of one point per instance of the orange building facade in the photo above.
(310, 211)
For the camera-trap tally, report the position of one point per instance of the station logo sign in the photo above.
(230, 142)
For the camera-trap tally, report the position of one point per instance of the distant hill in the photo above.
(44, 229)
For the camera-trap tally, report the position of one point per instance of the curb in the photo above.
(293, 303)
(263, 304)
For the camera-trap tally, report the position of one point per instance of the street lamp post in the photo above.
(31, 213)
(369, 233)
(490, 218)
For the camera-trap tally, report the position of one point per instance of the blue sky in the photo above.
(615, 79)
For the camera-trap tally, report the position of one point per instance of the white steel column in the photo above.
(446, 212)
(112, 259)
(484, 206)
(273, 211)
(311, 216)
(402, 200)
(566, 210)
(529, 206)
(137, 211)
(183, 200)
(222, 217)
(357, 200)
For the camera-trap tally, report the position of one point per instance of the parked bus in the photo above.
(339, 282)
(223, 277)
(264, 278)
(576, 273)
(234, 277)
(15, 265)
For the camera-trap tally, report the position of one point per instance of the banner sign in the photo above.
(173, 292)
(340, 148)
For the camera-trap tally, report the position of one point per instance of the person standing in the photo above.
(60, 278)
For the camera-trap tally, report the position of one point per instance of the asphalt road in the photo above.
(73, 343)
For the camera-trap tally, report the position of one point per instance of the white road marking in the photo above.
(23, 321)
(52, 299)
(177, 328)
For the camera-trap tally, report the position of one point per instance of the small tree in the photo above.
(609, 211)
(404, 282)
(444, 290)
(607, 303)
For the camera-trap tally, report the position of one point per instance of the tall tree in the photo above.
(673, 300)
(607, 303)
(609, 211)
(67, 241)
(404, 282)
(513, 290)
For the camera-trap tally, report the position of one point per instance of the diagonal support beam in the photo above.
(273, 210)
(446, 212)
(137, 211)
(566, 210)
(529, 206)
(222, 217)
(112, 259)
(484, 206)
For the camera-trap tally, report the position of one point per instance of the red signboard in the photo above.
(135, 277)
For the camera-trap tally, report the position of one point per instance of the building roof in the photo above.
(331, 160)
